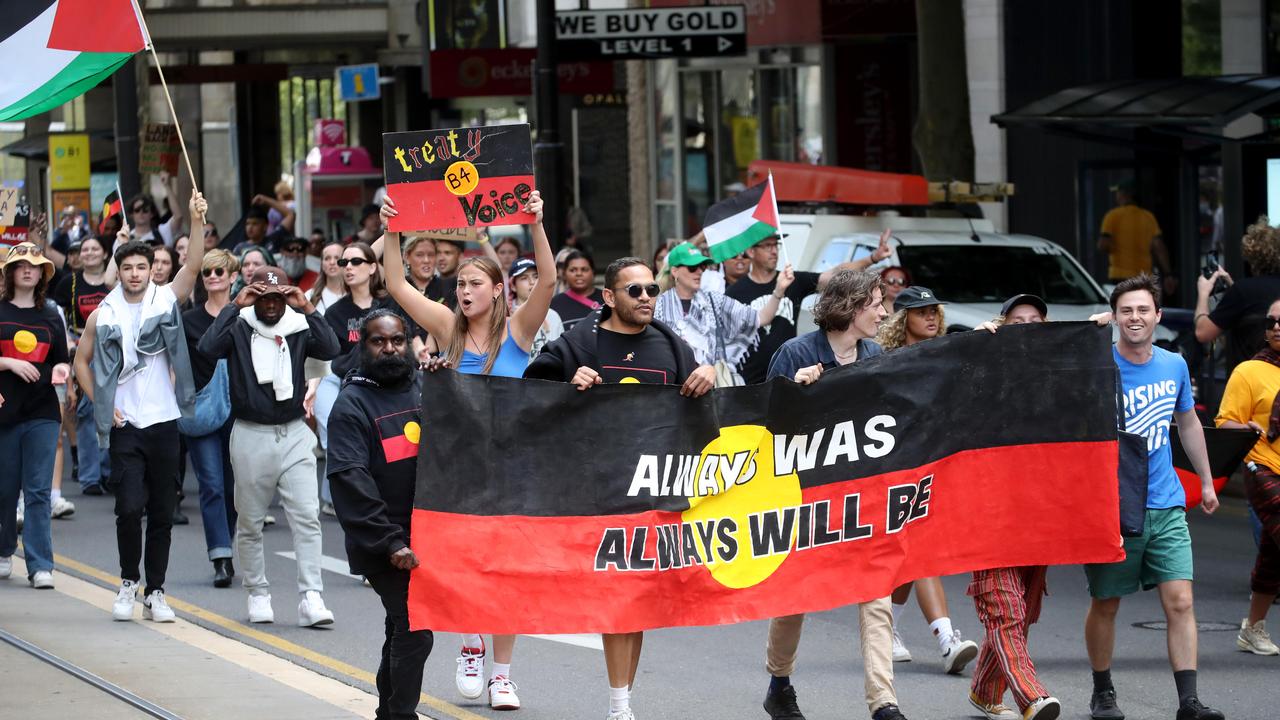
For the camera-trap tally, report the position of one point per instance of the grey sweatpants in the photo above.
(267, 458)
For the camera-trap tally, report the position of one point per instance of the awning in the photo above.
(102, 149)
(1185, 103)
(803, 183)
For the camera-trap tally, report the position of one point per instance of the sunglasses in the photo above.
(1272, 322)
(698, 268)
(767, 246)
(141, 208)
(20, 250)
(895, 281)
(635, 291)
(208, 272)
(358, 261)
(210, 232)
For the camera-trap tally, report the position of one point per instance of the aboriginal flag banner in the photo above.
(1226, 448)
(458, 177)
(628, 507)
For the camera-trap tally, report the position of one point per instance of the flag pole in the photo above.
(782, 243)
(124, 211)
(168, 98)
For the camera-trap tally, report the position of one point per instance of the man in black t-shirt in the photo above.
(372, 468)
(622, 343)
(756, 287)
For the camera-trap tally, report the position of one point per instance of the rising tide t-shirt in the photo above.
(1152, 392)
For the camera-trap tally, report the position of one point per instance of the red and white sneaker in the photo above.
(502, 694)
(470, 675)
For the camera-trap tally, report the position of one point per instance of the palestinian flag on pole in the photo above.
(743, 220)
(56, 50)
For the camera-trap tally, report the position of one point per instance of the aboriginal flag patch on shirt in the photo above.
(24, 342)
(400, 433)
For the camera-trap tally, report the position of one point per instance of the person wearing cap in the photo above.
(1131, 238)
(266, 335)
(759, 285)
(848, 315)
(720, 330)
(919, 316)
(293, 260)
(524, 276)
(33, 354)
(132, 365)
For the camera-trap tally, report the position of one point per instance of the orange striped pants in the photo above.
(1008, 601)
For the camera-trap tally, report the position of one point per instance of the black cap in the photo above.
(915, 296)
(1025, 299)
(520, 267)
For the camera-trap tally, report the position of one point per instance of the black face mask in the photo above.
(388, 371)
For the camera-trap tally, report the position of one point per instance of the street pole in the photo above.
(548, 152)
(125, 90)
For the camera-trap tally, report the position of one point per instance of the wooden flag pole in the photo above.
(782, 241)
(168, 98)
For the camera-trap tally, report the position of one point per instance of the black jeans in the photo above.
(144, 468)
(404, 652)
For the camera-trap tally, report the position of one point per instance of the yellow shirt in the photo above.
(1250, 392)
(1131, 229)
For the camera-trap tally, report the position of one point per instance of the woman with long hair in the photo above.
(211, 453)
(508, 251)
(33, 351)
(918, 316)
(251, 260)
(326, 293)
(580, 296)
(718, 328)
(163, 267)
(483, 337)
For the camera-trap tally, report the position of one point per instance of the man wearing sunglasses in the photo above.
(757, 290)
(622, 343)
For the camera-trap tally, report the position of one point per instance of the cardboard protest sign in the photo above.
(458, 177)
(160, 149)
(8, 206)
(451, 234)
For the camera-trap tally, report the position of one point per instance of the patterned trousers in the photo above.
(1008, 602)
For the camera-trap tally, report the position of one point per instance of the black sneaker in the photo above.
(888, 712)
(1102, 706)
(782, 705)
(1193, 709)
(91, 490)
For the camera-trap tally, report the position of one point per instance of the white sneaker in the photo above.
(997, 711)
(6, 567)
(502, 694)
(621, 715)
(1254, 638)
(268, 520)
(42, 580)
(1046, 708)
(312, 612)
(260, 609)
(470, 674)
(18, 520)
(62, 507)
(900, 651)
(155, 609)
(958, 653)
(122, 609)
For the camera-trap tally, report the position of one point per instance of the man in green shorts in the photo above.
(1157, 391)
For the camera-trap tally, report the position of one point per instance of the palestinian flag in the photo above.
(55, 50)
(743, 220)
(24, 342)
(752, 503)
(399, 434)
(1227, 449)
(111, 206)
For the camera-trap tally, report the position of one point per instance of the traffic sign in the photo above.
(645, 34)
(358, 82)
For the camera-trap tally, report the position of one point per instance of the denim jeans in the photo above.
(95, 465)
(404, 651)
(326, 396)
(211, 460)
(27, 448)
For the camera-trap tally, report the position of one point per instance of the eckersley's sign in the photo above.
(483, 73)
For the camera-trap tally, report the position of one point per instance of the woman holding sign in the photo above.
(482, 337)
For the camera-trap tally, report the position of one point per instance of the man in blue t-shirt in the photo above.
(1156, 389)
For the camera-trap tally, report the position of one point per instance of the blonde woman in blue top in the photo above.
(481, 336)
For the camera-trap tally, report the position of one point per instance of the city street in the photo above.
(717, 673)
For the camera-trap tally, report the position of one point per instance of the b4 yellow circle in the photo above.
(461, 178)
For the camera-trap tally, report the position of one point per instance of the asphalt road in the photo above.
(718, 673)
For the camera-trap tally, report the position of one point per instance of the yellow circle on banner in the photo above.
(24, 341)
(758, 491)
(628, 381)
(412, 432)
(461, 178)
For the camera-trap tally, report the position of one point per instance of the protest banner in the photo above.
(160, 149)
(464, 235)
(1226, 449)
(458, 177)
(629, 507)
(8, 206)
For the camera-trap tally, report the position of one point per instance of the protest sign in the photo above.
(160, 149)
(766, 500)
(8, 206)
(458, 177)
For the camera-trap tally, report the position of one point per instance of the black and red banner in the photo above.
(1226, 449)
(458, 177)
(542, 509)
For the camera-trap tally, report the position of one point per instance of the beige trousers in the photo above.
(875, 620)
